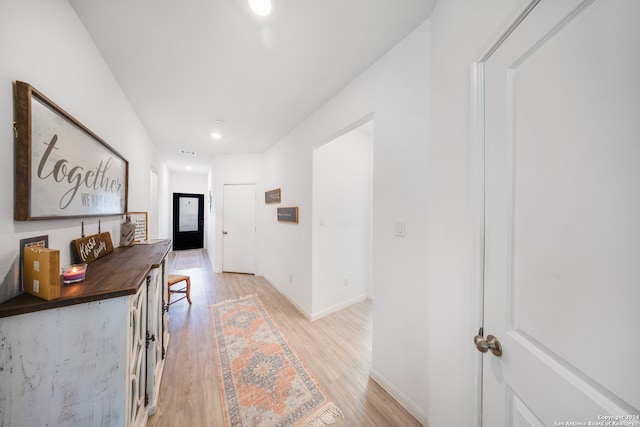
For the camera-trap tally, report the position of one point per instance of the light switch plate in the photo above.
(401, 228)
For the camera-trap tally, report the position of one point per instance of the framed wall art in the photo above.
(140, 220)
(272, 196)
(62, 169)
(288, 214)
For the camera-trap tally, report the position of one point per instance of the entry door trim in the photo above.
(175, 221)
(255, 225)
(477, 186)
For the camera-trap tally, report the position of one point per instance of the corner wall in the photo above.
(396, 91)
(460, 31)
(341, 218)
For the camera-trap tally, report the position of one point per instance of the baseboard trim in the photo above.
(403, 400)
(286, 295)
(337, 307)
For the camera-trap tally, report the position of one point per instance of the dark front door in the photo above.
(188, 221)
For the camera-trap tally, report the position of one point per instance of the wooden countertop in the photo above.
(117, 274)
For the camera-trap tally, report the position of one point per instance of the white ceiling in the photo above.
(186, 65)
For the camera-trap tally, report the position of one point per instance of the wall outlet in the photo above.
(291, 278)
(346, 282)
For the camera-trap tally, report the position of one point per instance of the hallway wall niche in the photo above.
(341, 231)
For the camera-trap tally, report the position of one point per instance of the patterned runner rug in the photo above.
(187, 259)
(262, 380)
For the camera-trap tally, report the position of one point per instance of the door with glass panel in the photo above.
(188, 221)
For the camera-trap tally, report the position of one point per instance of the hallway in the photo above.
(336, 349)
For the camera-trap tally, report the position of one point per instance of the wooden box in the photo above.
(41, 274)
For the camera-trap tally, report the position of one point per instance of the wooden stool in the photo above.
(176, 278)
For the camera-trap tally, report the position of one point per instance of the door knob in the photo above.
(490, 343)
(224, 232)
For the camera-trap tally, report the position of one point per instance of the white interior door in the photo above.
(239, 228)
(152, 225)
(562, 212)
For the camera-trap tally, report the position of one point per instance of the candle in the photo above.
(74, 273)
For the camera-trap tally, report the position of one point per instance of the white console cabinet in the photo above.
(95, 356)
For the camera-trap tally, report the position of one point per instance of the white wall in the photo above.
(456, 40)
(232, 169)
(42, 42)
(211, 218)
(187, 182)
(341, 219)
(423, 284)
(164, 207)
(396, 90)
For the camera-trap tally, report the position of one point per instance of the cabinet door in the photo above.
(137, 366)
(165, 301)
(155, 342)
(66, 366)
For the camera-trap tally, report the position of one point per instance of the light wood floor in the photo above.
(336, 348)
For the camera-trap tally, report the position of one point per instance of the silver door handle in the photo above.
(490, 343)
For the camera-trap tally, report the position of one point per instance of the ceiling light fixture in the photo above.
(261, 7)
(216, 135)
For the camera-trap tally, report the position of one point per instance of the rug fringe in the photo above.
(227, 301)
(325, 417)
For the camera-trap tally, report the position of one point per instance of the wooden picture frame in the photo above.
(141, 221)
(62, 169)
(288, 214)
(272, 196)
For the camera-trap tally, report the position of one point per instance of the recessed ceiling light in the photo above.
(216, 135)
(261, 7)
(188, 168)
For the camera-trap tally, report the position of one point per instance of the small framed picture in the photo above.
(272, 196)
(140, 220)
(288, 214)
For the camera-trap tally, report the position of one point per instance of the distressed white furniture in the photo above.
(158, 333)
(95, 356)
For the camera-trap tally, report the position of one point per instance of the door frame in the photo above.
(477, 186)
(176, 216)
(256, 222)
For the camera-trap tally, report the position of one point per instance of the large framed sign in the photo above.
(62, 169)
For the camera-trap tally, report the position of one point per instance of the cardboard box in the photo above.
(41, 274)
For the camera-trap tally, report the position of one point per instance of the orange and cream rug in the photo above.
(262, 380)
